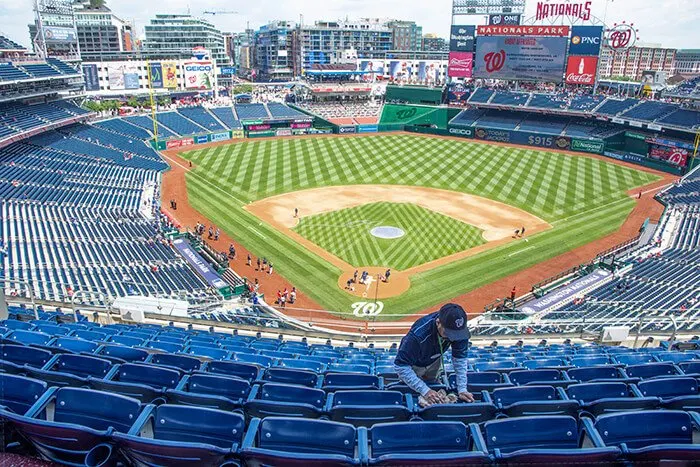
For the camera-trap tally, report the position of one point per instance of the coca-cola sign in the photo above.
(574, 10)
(581, 69)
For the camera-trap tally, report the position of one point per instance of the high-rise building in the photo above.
(433, 43)
(407, 35)
(53, 32)
(275, 50)
(687, 62)
(177, 34)
(631, 63)
(100, 30)
(327, 42)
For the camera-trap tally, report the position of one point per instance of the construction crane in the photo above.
(219, 12)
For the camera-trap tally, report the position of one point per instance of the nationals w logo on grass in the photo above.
(367, 308)
(495, 60)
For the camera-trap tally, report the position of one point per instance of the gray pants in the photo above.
(430, 372)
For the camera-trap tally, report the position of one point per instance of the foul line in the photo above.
(520, 251)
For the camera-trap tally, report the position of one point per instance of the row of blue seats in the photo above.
(78, 426)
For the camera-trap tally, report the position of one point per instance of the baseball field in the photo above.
(451, 206)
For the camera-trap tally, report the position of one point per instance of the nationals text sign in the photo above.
(501, 30)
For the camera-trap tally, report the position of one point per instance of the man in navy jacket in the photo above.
(419, 358)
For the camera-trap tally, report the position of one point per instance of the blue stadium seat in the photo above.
(67, 423)
(340, 381)
(648, 437)
(549, 377)
(247, 371)
(69, 344)
(178, 362)
(127, 341)
(209, 390)
(545, 440)
(300, 442)
(272, 399)
(682, 393)
(27, 338)
(365, 408)
(651, 370)
(533, 400)
(675, 357)
(475, 412)
(608, 397)
(14, 357)
(121, 354)
(289, 376)
(71, 370)
(634, 358)
(690, 368)
(426, 444)
(146, 383)
(545, 363)
(302, 364)
(17, 325)
(176, 435)
(260, 360)
(18, 393)
(597, 373)
(589, 360)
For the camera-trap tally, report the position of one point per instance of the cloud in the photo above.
(672, 23)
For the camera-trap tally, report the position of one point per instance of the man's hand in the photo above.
(434, 397)
(466, 396)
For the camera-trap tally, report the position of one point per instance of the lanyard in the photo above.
(446, 382)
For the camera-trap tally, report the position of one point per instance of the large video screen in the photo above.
(520, 58)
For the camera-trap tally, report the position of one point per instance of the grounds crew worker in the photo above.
(419, 358)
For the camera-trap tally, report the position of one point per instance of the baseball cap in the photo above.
(454, 322)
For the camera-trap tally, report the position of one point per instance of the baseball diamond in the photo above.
(582, 198)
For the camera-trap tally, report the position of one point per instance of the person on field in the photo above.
(296, 212)
(258, 268)
(386, 275)
(249, 260)
(522, 231)
(269, 271)
(419, 358)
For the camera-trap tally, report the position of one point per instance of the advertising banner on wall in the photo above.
(462, 39)
(561, 31)
(581, 69)
(586, 40)
(92, 82)
(169, 75)
(523, 137)
(131, 76)
(199, 74)
(59, 34)
(237, 134)
(223, 136)
(459, 131)
(674, 156)
(457, 94)
(520, 58)
(582, 145)
(347, 129)
(460, 64)
(115, 76)
(156, 75)
(179, 143)
(504, 20)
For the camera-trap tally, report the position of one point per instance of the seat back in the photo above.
(669, 387)
(650, 370)
(593, 373)
(350, 380)
(123, 353)
(588, 392)
(176, 361)
(29, 337)
(95, 409)
(528, 376)
(367, 398)
(298, 435)
(19, 393)
(82, 365)
(507, 396)
(675, 357)
(590, 360)
(128, 341)
(290, 376)
(418, 438)
(75, 345)
(148, 375)
(246, 371)
(690, 367)
(21, 355)
(292, 394)
(225, 386)
(187, 424)
(541, 432)
(645, 428)
(543, 363)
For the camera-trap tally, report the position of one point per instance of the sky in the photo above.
(671, 23)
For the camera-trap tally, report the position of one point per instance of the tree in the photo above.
(96, 4)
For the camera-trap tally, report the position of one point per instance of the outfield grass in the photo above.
(428, 235)
(583, 198)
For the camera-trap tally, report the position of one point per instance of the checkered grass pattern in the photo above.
(583, 198)
(428, 235)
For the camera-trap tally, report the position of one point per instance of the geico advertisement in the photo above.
(199, 75)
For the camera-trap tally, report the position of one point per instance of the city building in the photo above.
(176, 35)
(407, 35)
(631, 63)
(433, 43)
(275, 51)
(100, 30)
(687, 62)
(53, 32)
(333, 42)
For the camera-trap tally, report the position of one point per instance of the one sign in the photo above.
(169, 75)
(582, 145)
(220, 136)
(581, 70)
(667, 142)
(560, 31)
(92, 82)
(586, 40)
(621, 37)
(567, 293)
(131, 76)
(227, 70)
(258, 127)
(347, 129)
(178, 143)
(462, 39)
(59, 34)
(300, 125)
(198, 263)
(504, 20)
(674, 156)
(199, 74)
(460, 64)
(520, 58)
(201, 139)
(575, 11)
(283, 132)
(464, 132)
(156, 75)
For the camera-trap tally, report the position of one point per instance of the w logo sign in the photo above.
(495, 61)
